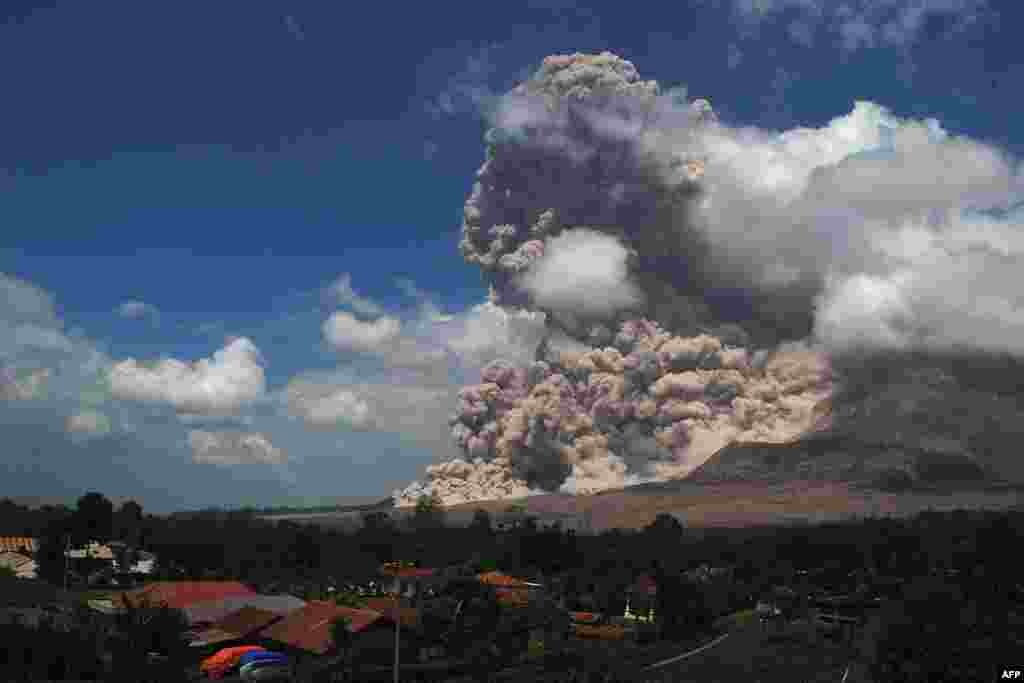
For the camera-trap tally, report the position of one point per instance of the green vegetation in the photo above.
(736, 620)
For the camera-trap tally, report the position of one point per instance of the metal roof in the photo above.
(409, 616)
(310, 627)
(14, 560)
(214, 610)
(236, 625)
(182, 594)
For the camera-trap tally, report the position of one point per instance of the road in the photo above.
(751, 656)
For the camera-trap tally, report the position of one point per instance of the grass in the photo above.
(736, 620)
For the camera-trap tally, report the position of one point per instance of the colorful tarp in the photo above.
(216, 665)
(261, 656)
(246, 669)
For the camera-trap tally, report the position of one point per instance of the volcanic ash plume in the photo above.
(654, 406)
(587, 209)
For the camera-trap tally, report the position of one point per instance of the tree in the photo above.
(481, 522)
(341, 635)
(939, 632)
(377, 535)
(428, 513)
(341, 638)
(142, 628)
(7, 572)
(51, 563)
(346, 599)
(93, 518)
(665, 528)
(128, 522)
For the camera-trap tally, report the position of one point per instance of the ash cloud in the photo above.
(582, 271)
(702, 284)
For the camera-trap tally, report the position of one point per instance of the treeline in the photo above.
(289, 510)
(239, 544)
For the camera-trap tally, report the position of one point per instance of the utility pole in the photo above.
(67, 551)
(398, 620)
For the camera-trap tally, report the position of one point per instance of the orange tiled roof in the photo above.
(16, 543)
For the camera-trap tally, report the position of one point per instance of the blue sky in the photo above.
(225, 163)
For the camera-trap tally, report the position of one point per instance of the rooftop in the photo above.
(236, 625)
(182, 594)
(214, 610)
(16, 543)
(309, 628)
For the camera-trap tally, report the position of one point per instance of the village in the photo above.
(131, 607)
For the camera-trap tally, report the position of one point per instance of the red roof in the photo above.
(585, 617)
(499, 579)
(181, 594)
(409, 572)
(309, 628)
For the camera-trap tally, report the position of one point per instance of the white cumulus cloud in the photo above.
(88, 423)
(328, 407)
(342, 293)
(233, 448)
(222, 384)
(343, 331)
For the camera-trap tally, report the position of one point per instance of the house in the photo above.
(511, 591)
(640, 598)
(92, 550)
(408, 581)
(308, 630)
(145, 563)
(128, 560)
(306, 635)
(25, 545)
(23, 566)
(93, 562)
